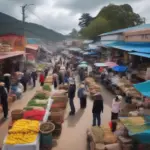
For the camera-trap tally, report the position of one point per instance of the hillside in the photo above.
(11, 25)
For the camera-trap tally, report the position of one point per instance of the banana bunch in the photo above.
(23, 131)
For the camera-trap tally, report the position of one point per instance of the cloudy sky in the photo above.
(63, 15)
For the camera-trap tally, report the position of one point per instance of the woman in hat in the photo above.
(82, 96)
(3, 99)
(116, 107)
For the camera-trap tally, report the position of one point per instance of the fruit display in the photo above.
(22, 132)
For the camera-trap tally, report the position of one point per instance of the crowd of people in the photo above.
(63, 72)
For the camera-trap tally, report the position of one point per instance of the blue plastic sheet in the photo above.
(143, 88)
(120, 68)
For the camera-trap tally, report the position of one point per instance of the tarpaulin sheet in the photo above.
(143, 88)
(120, 68)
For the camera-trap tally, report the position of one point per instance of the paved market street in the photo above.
(73, 135)
(74, 127)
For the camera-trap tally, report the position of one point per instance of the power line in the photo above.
(37, 16)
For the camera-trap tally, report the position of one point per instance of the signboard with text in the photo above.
(17, 42)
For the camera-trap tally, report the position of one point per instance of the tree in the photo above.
(120, 16)
(85, 20)
(96, 27)
(74, 33)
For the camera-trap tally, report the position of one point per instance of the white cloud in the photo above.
(63, 15)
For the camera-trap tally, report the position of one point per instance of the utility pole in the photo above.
(24, 14)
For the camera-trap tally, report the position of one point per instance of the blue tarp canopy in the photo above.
(120, 68)
(143, 88)
(141, 54)
(131, 46)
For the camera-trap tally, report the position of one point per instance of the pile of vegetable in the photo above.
(22, 132)
(41, 96)
(39, 103)
(47, 87)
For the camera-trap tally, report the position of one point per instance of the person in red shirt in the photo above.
(42, 78)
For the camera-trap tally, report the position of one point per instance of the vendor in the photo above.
(7, 81)
(3, 99)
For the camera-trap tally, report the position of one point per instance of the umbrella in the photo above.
(120, 68)
(100, 64)
(111, 64)
(83, 66)
(83, 62)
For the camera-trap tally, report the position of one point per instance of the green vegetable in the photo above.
(33, 103)
(41, 96)
(46, 87)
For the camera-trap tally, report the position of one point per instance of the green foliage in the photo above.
(11, 25)
(120, 16)
(111, 17)
(96, 27)
(85, 20)
(47, 87)
(33, 103)
(41, 96)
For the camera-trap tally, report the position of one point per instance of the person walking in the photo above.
(7, 81)
(42, 78)
(46, 72)
(82, 96)
(71, 95)
(24, 81)
(55, 80)
(97, 109)
(34, 77)
(3, 99)
(116, 106)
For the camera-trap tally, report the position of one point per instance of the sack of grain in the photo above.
(115, 146)
(100, 146)
(97, 134)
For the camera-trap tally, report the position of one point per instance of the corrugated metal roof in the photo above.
(11, 54)
(139, 27)
(141, 54)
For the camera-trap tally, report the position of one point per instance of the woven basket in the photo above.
(50, 130)
(17, 114)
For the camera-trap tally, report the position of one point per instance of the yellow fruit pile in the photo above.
(23, 132)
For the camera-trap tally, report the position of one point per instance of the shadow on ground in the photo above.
(73, 120)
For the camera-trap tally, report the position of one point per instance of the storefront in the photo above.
(11, 62)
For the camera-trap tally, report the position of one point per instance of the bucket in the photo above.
(46, 130)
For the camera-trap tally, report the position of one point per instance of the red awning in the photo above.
(4, 55)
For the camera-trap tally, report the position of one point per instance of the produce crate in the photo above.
(57, 115)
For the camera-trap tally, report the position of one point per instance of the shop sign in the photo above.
(17, 42)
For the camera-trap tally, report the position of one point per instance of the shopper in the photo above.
(97, 109)
(116, 106)
(7, 81)
(46, 72)
(82, 94)
(42, 78)
(34, 77)
(3, 99)
(24, 81)
(71, 95)
(55, 80)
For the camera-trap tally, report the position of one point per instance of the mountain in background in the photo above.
(10, 25)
